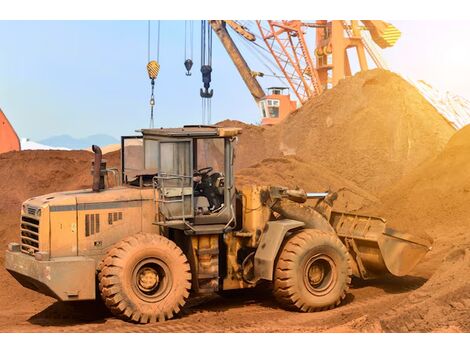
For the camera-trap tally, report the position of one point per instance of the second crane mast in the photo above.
(274, 106)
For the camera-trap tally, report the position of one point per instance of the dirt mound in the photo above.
(371, 128)
(435, 199)
(441, 304)
(436, 194)
(293, 172)
(31, 173)
(27, 174)
(35, 172)
(254, 144)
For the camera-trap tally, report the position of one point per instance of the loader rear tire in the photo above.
(145, 278)
(312, 272)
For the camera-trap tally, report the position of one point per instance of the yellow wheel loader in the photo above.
(173, 224)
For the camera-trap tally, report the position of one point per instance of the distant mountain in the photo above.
(66, 141)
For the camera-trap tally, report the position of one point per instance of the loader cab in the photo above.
(191, 171)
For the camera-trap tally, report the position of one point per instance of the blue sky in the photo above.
(87, 77)
(81, 78)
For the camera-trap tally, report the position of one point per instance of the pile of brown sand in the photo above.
(255, 143)
(435, 199)
(292, 172)
(372, 129)
(436, 194)
(377, 131)
(27, 174)
(442, 304)
(31, 173)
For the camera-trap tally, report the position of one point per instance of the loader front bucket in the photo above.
(402, 251)
(375, 249)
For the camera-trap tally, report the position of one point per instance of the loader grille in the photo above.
(29, 234)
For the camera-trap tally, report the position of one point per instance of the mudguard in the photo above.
(269, 245)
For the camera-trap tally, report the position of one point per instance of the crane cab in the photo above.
(276, 105)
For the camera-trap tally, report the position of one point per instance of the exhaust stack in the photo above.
(98, 169)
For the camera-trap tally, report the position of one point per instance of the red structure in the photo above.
(287, 43)
(276, 105)
(9, 140)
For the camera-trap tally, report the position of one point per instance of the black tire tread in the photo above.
(284, 288)
(110, 286)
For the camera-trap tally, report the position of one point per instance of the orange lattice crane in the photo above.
(335, 38)
(286, 40)
(287, 43)
(274, 106)
(308, 71)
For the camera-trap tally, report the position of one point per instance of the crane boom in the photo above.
(253, 86)
(287, 43)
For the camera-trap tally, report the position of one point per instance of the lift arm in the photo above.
(237, 58)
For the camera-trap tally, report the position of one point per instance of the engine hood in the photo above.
(84, 222)
(84, 196)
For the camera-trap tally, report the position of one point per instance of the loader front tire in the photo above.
(312, 272)
(145, 278)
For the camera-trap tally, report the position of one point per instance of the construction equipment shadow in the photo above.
(391, 284)
(71, 313)
(77, 313)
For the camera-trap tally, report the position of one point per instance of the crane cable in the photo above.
(153, 67)
(260, 53)
(206, 70)
(262, 58)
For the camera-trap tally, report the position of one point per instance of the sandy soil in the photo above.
(388, 304)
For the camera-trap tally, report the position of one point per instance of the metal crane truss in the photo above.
(287, 43)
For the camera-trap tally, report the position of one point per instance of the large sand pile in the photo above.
(31, 173)
(435, 194)
(27, 174)
(371, 129)
(435, 199)
(441, 304)
(292, 172)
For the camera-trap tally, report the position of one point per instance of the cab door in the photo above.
(175, 176)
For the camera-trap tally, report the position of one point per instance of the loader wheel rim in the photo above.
(320, 275)
(152, 280)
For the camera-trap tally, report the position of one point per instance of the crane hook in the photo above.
(153, 67)
(188, 64)
(206, 79)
